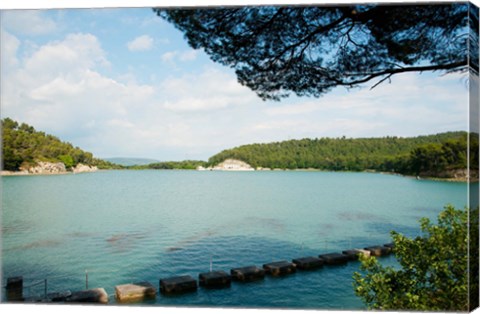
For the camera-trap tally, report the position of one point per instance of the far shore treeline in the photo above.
(438, 155)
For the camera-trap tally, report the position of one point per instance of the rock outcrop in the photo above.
(43, 167)
(229, 165)
(233, 165)
(461, 175)
(84, 168)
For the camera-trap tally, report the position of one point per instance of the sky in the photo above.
(122, 82)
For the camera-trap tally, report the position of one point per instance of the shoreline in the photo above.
(7, 173)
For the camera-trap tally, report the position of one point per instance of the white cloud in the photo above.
(411, 103)
(188, 55)
(28, 22)
(210, 90)
(141, 43)
(62, 87)
(293, 109)
(170, 57)
(59, 86)
(8, 50)
(76, 51)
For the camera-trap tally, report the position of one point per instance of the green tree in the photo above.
(23, 145)
(67, 160)
(426, 155)
(433, 268)
(308, 50)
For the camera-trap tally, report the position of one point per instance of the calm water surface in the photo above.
(129, 226)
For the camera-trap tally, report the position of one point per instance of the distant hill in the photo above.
(440, 155)
(125, 161)
(23, 146)
(431, 155)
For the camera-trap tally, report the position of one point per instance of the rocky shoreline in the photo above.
(457, 175)
(229, 165)
(50, 168)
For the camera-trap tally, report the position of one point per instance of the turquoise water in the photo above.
(130, 226)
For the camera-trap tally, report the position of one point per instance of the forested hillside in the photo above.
(415, 155)
(169, 165)
(433, 155)
(24, 146)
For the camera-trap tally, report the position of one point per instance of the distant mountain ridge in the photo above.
(128, 161)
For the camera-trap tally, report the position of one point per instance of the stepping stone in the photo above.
(279, 268)
(97, 295)
(179, 284)
(248, 273)
(14, 288)
(307, 263)
(135, 292)
(353, 255)
(34, 299)
(334, 258)
(59, 296)
(378, 250)
(214, 279)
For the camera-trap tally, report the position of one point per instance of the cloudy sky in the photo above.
(123, 82)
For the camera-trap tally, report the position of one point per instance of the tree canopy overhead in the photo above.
(308, 50)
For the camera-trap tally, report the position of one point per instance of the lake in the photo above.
(130, 226)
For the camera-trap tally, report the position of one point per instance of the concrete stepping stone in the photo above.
(279, 268)
(135, 292)
(178, 284)
(334, 258)
(378, 250)
(307, 263)
(215, 279)
(247, 274)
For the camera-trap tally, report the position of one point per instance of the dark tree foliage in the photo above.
(431, 159)
(308, 50)
(170, 165)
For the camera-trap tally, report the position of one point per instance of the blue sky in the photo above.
(123, 82)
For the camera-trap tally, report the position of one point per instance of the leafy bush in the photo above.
(434, 267)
